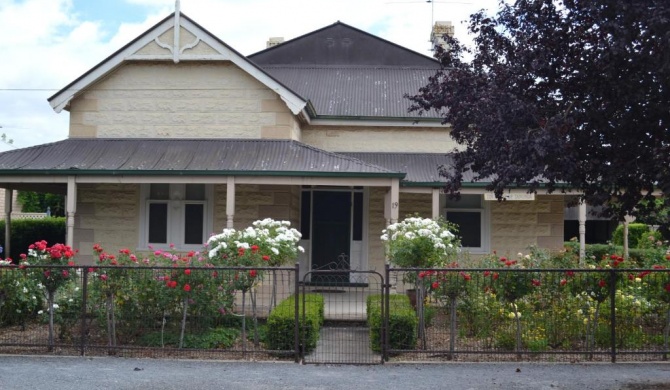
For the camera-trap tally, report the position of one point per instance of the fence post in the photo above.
(613, 278)
(84, 293)
(385, 312)
(296, 329)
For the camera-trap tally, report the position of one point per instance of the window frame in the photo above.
(176, 216)
(485, 218)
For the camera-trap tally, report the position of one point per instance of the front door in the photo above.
(331, 235)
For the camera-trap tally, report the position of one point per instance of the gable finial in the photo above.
(177, 27)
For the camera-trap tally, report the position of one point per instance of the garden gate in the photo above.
(345, 337)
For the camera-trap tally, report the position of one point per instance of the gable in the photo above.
(176, 38)
(341, 44)
(191, 99)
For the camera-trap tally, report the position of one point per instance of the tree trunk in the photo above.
(273, 297)
(518, 331)
(164, 320)
(594, 329)
(452, 327)
(419, 311)
(244, 322)
(111, 324)
(252, 295)
(50, 304)
(183, 323)
(666, 333)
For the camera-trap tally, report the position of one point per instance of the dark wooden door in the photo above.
(331, 235)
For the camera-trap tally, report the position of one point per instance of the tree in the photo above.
(36, 202)
(562, 95)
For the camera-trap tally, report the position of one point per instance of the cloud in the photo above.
(50, 44)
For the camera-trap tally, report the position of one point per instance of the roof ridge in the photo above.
(344, 157)
(340, 23)
(352, 66)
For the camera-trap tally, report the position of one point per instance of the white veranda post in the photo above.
(8, 220)
(582, 233)
(70, 209)
(230, 202)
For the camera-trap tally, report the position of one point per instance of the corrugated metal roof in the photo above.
(350, 91)
(341, 44)
(419, 167)
(185, 156)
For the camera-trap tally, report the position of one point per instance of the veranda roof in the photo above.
(240, 157)
(421, 169)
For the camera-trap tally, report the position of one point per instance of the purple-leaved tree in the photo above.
(571, 94)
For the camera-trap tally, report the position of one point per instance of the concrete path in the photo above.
(342, 345)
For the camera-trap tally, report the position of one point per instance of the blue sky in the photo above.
(49, 43)
(111, 13)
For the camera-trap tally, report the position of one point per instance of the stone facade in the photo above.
(185, 100)
(515, 225)
(379, 139)
(107, 214)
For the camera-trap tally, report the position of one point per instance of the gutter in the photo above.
(80, 172)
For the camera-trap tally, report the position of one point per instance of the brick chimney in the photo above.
(440, 29)
(274, 41)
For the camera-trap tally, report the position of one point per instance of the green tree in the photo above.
(37, 202)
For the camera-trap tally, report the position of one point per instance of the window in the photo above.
(471, 215)
(175, 213)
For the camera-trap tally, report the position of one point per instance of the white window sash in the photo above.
(484, 233)
(176, 210)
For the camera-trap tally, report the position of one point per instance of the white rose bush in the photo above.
(267, 243)
(420, 243)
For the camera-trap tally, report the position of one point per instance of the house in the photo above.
(177, 135)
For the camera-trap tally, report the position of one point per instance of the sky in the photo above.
(46, 44)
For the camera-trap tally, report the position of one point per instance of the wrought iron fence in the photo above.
(537, 314)
(144, 311)
(459, 314)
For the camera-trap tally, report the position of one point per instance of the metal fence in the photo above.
(537, 314)
(459, 314)
(145, 312)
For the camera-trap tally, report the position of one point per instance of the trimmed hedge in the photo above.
(598, 251)
(281, 323)
(27, 231)
(635, 232)
(403, 322)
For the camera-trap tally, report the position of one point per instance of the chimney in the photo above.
(274, 41)
(440, 29)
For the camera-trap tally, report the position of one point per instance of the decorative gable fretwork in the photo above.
(179, 43)
(176, 38)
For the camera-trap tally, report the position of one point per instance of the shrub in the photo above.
(635, 232)
(650, 240)
(217, 338)
(403, 322)
(639, 257)
(28, 231)
(281, 323)
(20, 295)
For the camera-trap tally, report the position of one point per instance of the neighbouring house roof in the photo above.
(421, 169)
(347, 72)
(99, 156)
